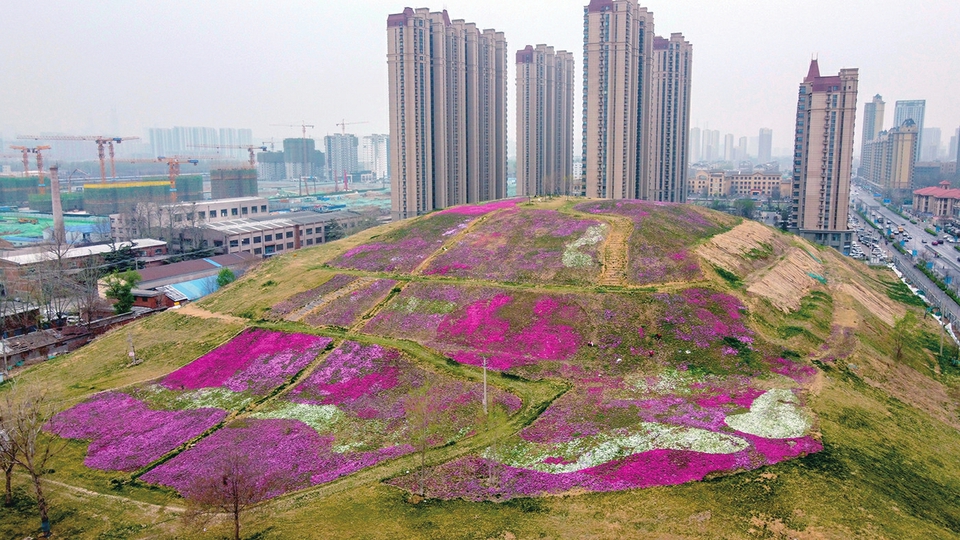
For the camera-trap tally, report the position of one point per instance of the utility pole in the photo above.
(484, 357)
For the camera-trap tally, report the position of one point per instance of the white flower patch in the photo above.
(572, 257)
(320, 417)
(774, 415)
(216, 397)
(670, 382)
(592, 451)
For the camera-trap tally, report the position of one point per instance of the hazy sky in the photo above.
(88, 67)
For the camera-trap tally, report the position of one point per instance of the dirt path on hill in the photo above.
(194, 310)
(450, 241)
(90, 493)
(614, 252)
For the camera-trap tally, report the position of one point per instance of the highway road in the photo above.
(946, 263)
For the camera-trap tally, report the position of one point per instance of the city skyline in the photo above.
(204, 76)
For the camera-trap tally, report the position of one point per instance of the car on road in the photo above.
(923, 241)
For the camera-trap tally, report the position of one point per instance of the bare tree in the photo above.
(8, 454)
(235, 483)
(421, 408)
(23, 415)
(86, 290)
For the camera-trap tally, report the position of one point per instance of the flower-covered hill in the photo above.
(751, 378)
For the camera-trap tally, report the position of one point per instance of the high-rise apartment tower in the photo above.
(448, 112)
(544, 121)
(669, 118)
(765, 146)
(342, 156)
(872, 119)
(617, 61)
(912, 109)
(823, 157)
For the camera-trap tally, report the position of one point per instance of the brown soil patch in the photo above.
(884, 308)
(788, 281)
(729, 250)
(194, 310)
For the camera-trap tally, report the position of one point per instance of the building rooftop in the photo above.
(167, 271)
(247, 225)
(86, 251)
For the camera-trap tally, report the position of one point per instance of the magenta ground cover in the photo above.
(124, 434)
(526, 246)
(481, 209)
(609, 436)
(283, 455)
(346, 310)
(372, 381)
(256, 361)
(403, 249)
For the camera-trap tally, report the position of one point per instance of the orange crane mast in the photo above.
(104, 145)
(38, 150)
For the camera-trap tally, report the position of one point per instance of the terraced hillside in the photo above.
(515, 369)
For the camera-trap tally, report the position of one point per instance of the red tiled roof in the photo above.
(938, 192)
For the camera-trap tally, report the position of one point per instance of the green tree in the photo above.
(745, 207)
(119, 287)
(225, 277)
(334, 232)
(904, 329)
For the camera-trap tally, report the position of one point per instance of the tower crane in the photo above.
(270, 142)
(343, 131)
(102, 144)
(251, 149)
(304, 126)
(343, 125)
(38, 150)
(173, 168)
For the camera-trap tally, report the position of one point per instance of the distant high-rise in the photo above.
(931, 144)
(669, 118)
(888, 160)
(711, 144)
(765, 146)
(617, 61)
(913, 110)
(742, 153)
(341, 155)
(872, 120)
(448, 112)
(302, 159)
(375, 155)
(695, 145)
(728, 150)
(544, 121)
(823, 157)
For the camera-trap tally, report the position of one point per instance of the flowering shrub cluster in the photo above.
(526, 246)
(404, 249)
(256, 361)
(663, 234)
(346, 310)
(124, 434)
(300, 300)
